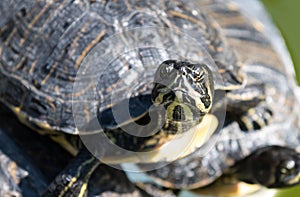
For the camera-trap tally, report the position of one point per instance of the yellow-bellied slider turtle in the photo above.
(168, 58)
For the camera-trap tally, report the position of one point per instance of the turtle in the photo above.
(241, 161)
(132, 74)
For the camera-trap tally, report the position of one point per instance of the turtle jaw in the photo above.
(185, 91)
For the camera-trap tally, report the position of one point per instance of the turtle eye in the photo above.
(165, 70)
(287, 166)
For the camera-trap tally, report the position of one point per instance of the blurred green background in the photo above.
(286, 15)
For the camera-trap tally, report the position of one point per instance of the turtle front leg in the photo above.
(72, 181)
(247, 106)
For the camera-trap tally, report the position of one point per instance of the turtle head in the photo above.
(184, 89)
(272, 166)
(283, 169)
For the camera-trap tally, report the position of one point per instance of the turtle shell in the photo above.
(265, 61)
(61, 60)
(64, 59)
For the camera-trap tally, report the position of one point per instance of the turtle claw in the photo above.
(255, 118)
(247, 106)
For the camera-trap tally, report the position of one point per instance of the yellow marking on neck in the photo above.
(83, 190)
(177, 146)
(159, 98)
(75, 178)
(67, 187)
